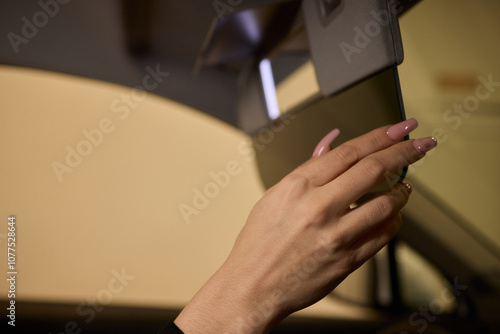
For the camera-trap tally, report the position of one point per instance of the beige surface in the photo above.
(117, 213)
(457, 39)
(119, 207)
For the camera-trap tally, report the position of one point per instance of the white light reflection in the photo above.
(266, 74)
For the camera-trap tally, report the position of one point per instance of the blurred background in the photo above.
(123, 225)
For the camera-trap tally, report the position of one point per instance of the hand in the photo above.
(303, 238)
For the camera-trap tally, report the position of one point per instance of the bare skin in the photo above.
(303, 238)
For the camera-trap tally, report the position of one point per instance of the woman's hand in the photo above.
(303, 238)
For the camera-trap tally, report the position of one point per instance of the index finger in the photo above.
(322, 170)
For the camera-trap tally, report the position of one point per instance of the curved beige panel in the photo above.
(112, 231)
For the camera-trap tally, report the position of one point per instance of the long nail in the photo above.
(400, 130)
(324, 145)
(423, 145)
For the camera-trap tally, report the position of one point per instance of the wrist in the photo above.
(229, 305)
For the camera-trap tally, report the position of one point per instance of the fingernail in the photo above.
(400, 130)
(408, 186)
(324, 145)
(424, 145)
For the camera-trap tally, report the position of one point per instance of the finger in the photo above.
(374, 168)
(324, 145)
(371, 243)
(326, 168)
(372, 213)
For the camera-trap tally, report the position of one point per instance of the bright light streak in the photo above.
(266, 74)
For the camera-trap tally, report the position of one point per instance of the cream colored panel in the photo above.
(457, 41)
(111, 231)
(119, 206)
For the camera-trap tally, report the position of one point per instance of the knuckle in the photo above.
(385, 207)
(347, 154)
(373, 166)
(314, 218)
(296, 181)
(342, 241)
(313, 212)
(323, 212)
(378, 139)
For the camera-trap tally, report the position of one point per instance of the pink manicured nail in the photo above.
(424, 145)
(324, 145)
(400, 130)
